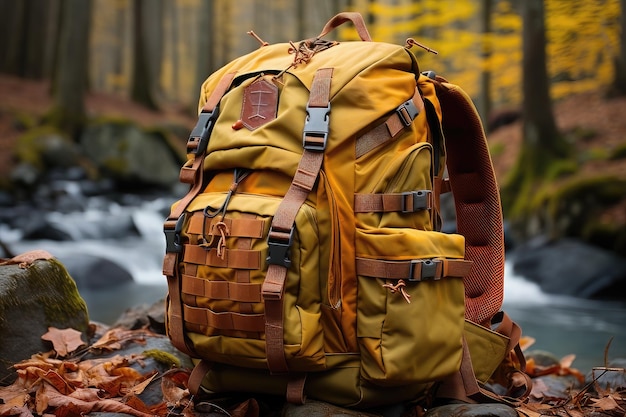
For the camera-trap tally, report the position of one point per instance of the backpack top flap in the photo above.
(359, 69)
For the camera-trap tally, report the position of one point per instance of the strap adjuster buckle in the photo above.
(428, 270)
(316, 126)
(278, 244)
(199, 137)
(407, 111)
(172, 236)
(413, 201)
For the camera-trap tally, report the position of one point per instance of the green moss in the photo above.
(496, 149)
(162, 357)
(580, 133)
(619, 152)
(561, 169)
(31, 144)
(595, 154)
(44, 283)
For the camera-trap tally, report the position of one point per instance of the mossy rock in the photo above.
(573, 209)
(36, 292)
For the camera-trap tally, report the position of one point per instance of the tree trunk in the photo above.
(619, 83)
(204, 63)
(484, 101)
(12, 23)
(542, 144)
(70, 83)
(148, 43)
(540, 130)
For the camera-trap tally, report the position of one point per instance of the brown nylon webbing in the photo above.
(386, 131)
(244, 292)
(252, 228)
(302, 183)
(226, 320)
(233, 258)
(388, 202)
(409, 270)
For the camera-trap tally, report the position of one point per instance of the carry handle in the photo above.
(355, 18)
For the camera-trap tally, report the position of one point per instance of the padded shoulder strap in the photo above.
(477, 200)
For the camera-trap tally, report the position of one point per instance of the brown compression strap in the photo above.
(477, 200)
(416, 270)
(282, 225)
(396, 123)
(341, 18)
(193, 175)
(407, 202)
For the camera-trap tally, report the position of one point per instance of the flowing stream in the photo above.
(559, 325)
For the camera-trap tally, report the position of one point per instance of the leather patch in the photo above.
(260, 104)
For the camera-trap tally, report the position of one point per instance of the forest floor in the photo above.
(595, 125)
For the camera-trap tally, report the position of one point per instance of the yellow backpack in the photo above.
(306, 258)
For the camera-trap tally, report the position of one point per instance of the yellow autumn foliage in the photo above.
(582, 40)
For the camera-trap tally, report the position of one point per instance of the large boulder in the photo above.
(36, 292)
(131, 155)
(571, 267)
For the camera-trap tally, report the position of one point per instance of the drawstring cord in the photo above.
(399, 286)
(221, 227)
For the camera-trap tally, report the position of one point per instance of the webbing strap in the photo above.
(415, 270)
(230, 258)
(407, 202)
(240, 227)
(244, 292)
(281, 227)
(225, 320)
(170, 261)
(388, 130)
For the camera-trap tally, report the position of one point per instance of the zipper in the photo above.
(334, 273)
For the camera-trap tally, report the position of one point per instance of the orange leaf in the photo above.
(64, 341)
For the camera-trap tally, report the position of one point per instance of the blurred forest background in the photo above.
(516, 58)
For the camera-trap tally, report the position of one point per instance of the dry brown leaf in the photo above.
(64, 341)
(58, 400)
(607, 403)
(140, 387)
(14, 397)
(16, 412)
(526, 342)
(114, 338)
(174, 387)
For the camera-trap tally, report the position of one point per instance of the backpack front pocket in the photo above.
(224, 266)
(410, 309)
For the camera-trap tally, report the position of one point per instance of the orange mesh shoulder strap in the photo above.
(477, 200)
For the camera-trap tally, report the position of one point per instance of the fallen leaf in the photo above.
(58, 400)
(607, 403)
(64, 341)
(16, 412)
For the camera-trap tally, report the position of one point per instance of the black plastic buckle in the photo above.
(199, 137)
(278, 248)
(316, 125)
(407, 111)
(420, 200)
(172, 237)
(428, 270)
